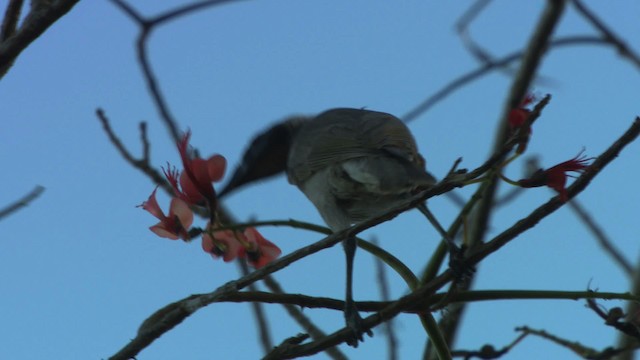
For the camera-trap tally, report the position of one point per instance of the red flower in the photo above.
(261, 251)
(556, 177)
(221, 243)
(517, 118)
(198, 176)
(249, 244)
(173, 226)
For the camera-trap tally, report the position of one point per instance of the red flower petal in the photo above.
(264, 252)
(181, 210)
(151, 205)
(216, 166)
(223, 244)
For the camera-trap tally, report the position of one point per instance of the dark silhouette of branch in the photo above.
(579, 349)
(144, 163)
(10, 20)
(309, 327)
(264, 334)
(608, 35)
(598, 232)
(462, 28)
(485, 69)
(35, 24)
(615, 318)
(383, 285)
(318, 302)
(147, 25)
(488, 351)
(633, 315)
(22, 202)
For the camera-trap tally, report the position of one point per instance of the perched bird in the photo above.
(352, 164)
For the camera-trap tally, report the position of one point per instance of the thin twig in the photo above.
(22, 202)
(383, 285)
(581, 350)
(186, 9)
(145, 142)
(147, 25)
(152, 84)
(488, 351)
(608, 34)
(599, 234)
(462, 28)
(142, 164)
(303, 320)
(264, 334)
(464, 79)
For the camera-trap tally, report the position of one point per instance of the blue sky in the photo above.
(81, 271)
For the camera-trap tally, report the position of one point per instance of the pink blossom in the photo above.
(173, 226)
(260, 250)
(221, 243)
(249, 244)
(198, 175)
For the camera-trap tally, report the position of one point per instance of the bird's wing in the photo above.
(339, 135)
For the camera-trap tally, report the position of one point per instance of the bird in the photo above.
(352, 164)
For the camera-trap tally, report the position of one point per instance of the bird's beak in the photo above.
(265, 156)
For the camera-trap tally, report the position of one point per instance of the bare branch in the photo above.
(579, 349)
(10, 20)
(383, 284)
(462, 80)
(22, 202)
(258, 312)
(35, 23)
(143, 164)
(462, 27)
(186, 9)
(147, 25)
(598, 232)
(608, 35)
(303, 320)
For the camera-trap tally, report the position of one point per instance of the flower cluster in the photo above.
(554, 177)
(249, 244)
(194, 187)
